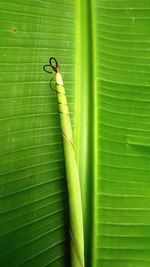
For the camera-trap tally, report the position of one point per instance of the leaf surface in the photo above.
(122, 194)
(33, 185)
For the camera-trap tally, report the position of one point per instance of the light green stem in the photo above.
(73, 184)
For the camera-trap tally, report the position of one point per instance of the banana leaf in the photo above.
(122, 173)
(103, 49)
(34, 208)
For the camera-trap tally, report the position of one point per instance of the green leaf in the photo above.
(103, 47)
(34, 213)
(122, 206)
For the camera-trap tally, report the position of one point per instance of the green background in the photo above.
(104, 54)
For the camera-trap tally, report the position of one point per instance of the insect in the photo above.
(72, 176)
